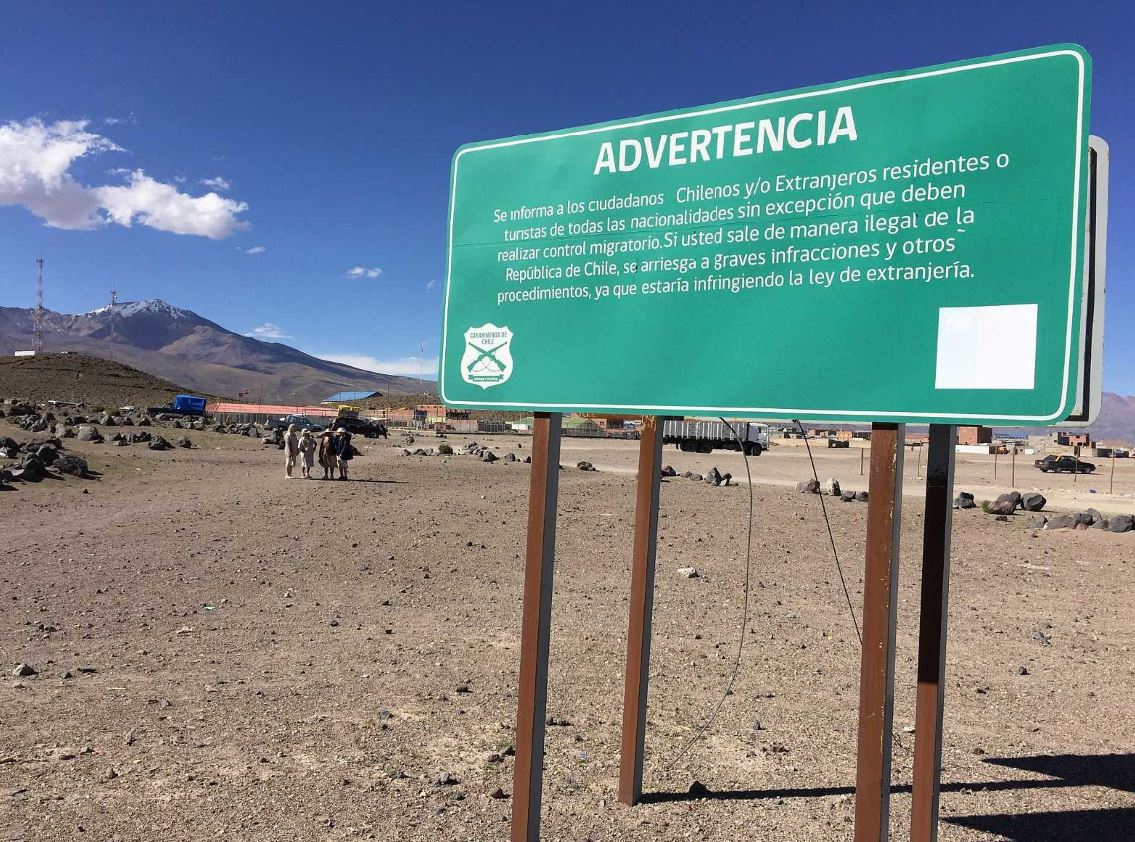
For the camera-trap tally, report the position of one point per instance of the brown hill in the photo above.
(181, 346)
(83, 379)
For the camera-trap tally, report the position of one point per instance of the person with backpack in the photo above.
(344, 451)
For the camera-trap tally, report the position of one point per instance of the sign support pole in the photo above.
(933, 615)
(641, 610)
(532, 695)
(877, 671)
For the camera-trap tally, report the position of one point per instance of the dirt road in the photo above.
(259, 659)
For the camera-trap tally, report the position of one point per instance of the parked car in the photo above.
(1064, 464)
(302, 422)
(360, 426)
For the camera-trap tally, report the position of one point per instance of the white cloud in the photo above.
(35, 164)
(404, 366)
(268, 330)
(256, 250)
(363, 272)
(430, 284)
(217, 183)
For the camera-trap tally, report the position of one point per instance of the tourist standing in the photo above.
(327, 457)
(343, 451)
(291, 450)
(307, 453)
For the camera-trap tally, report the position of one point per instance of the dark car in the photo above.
(1064, 464)
(360, 426)
(302, 422)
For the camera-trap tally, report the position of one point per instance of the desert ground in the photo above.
(223, 654)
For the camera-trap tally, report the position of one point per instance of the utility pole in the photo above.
(38, 317)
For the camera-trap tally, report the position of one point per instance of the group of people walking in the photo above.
(333, 449)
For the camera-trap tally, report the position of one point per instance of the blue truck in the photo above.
(181, 405)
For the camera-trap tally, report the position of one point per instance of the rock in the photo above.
(697, 789)
(668, 471)
(498, 793)
(862, 496)
(489, 456)
(1095, 517)
(557, 721)
(76, 466)
(1012, 498)
(1033, 502)
(831, 487)
(446, 779)
(24, 671)
(808, 486)
(1042, 638)
(1002, 518)
(184, 442)
(159, 443)
(965, 495)
(140, 437)
(713, 477)
(847, 496)
(1022, 670)
(527, 460)
(107, 421)
(585, 466)
(1036, 522)
(510, 457)
(1061, 522)
(1121, 523)
(688, 572)
(493, 758)
(1003, 505)
(696, 477)
(89, 433)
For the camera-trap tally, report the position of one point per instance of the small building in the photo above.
(1067, 439)
(975, 435)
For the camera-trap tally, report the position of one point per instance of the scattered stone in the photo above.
(493, 758)
(24, 671)
(964, 500)
(1022, 670)
(498, 794)
(75, 466)
(1036, 522)
(557, 722)
(668, 471)
(862, 496)
(508, 457)
(585, 466)
(184, 442)
(713, 477)
(446, 779)
(696, 477)
(808, 486)
(159, 443)
(89, 433)
(687, 572)
(1001, 506)
(527, 460)
(697, 789)
(1033, 502)
(831, 487)
(489, 456)
(1121, 523)
(847, 496)
(1061, 522)
(1042, 638)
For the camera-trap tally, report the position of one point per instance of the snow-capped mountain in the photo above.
(188, 349)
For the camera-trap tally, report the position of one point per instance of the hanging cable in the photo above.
(831, 536)
(744, 614)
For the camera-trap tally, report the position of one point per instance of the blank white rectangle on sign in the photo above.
(986, 347)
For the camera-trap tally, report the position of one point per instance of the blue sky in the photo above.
(332, 132)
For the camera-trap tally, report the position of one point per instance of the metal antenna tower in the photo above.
(113, 297)
(38, 317)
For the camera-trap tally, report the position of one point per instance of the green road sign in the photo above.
(905, 247)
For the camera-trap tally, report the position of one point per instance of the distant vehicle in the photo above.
(360, 426)
(346, 410)
(707, 436)
(181, 405)
(1064, 464)
(302, 422)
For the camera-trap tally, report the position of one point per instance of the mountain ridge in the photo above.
(184, 347)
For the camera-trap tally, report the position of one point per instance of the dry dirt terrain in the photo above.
(223, 654)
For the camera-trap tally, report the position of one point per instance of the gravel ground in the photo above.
(225, 654)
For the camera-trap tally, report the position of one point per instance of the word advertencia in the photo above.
(734, 140)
